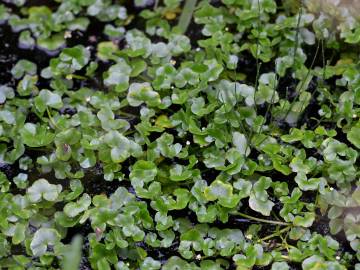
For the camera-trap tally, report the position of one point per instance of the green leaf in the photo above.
(121, 147)
(165, 146)
(305, 221)
(72, 255)
(240, 143)
(244, 188)
(258, 200)
(73, 209)
(19, 234)
(76, 57)
(43, 237)
(213, 71)
(230, 93)
(179, 173)
(150, 264)
(223, 192)
(118, 75)
(23, 67)
(263, 207)
(35, 135)
(41, 189)
(7, 117)
(354, 136)
(143, 171)
(21, 180)
(69, 136)
(114, 32)
(52, 43)
(27, 86)
(26, 41)
(103, 264)
(143, 93)
(6, 93)
(47, 99)
(266, 89)
(280, 266)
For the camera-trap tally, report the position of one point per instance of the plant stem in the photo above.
(323, 59)
(277, 233)
(242, 128)
(297, 32)
(76, 76)
(269, 106)
(257, 52)
(129, 132)
(258, 66)
(156, 4)
(144, 78)
(130, 115)
(281, 223)
(50, 118)
(303, 83)
(186, 15)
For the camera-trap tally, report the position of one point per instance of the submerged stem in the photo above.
(275, 222)
(186, 15)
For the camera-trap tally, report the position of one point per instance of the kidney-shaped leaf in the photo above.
(42, 189)
(72, 209)
(354, 136)
(144, 171)
(47, 99)
(35, 135)
(42, 239)
(143, 93)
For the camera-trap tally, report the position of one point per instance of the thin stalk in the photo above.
(51, 118)
(286, 97)
(277, 233)
(312, 95)
(186, 15)
(156, 4)
(261, 220)
(130, 115)
(323, 75)
(76, 76)
(297, 32)
(145, 78)
(129, 132)
(269, 105)
(317, 199)
(258, 65)
(323, 59)
(303, 81)
(239, 120)
(283, 239)
(296, 45)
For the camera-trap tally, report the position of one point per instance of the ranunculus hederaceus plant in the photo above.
(180, 135)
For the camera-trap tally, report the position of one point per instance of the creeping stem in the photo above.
(261, 220)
